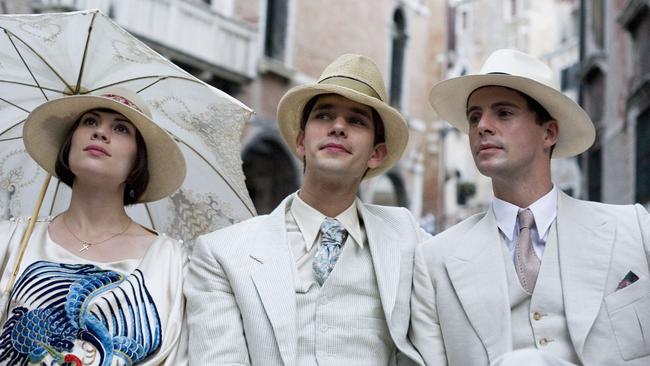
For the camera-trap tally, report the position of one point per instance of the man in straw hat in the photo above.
(325, 278)
(540, 277)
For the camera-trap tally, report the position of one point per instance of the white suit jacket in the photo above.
(460, 305)
(241, 302)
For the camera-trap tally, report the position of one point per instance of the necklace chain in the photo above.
(87, 244)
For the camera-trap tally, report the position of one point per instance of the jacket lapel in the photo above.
(477, 273)
(585, 243)
(385, 258)
(273, 279)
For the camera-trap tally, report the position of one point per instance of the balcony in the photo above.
(191, 32)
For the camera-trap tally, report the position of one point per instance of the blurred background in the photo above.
(255, 50)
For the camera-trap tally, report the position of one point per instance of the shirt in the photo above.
(544, 210)
(303, 233)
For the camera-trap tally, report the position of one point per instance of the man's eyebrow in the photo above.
(472, 109)
(323, 107)
(329, 106)
(504, 104)
(493, 106)
(362, 112)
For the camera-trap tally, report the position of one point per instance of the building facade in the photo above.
(298, 39)
(615, 91)
(255, 50)
(476, 28)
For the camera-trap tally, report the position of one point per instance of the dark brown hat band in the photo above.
(351, 83)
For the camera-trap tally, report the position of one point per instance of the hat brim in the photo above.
(47, 126)
(576, 131)
(395, 128)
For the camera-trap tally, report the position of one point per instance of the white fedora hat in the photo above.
(519, 71)
(47, 126)
(357, 78)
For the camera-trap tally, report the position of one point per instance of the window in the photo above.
(569, 77)
(511, 9)
(595, 95)
(640, 32)
(643, 157)
(598, 22)
(270, 174)
(451, 28)
(397, 58)
(594, 173)
(276, 29)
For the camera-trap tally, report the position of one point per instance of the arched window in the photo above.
(270, 173)
(399, 39)
(276, 29)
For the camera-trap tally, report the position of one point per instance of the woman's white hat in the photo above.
(47, 126)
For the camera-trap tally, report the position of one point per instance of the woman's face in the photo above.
(103, 147)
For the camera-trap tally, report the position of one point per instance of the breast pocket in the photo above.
(629, 314)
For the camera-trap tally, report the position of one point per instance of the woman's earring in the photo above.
(132, 193)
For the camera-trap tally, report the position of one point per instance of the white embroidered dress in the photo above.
(66, 310)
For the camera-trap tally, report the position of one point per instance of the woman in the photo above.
(94, 287)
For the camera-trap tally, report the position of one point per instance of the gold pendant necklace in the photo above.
(85, 244)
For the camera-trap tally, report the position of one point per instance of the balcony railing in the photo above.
(189, 27)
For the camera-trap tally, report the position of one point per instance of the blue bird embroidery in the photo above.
(64, 303)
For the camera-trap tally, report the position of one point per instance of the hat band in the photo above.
(122, 100)
(354, 84)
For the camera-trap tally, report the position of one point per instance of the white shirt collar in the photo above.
(544, 211)
(309, 220)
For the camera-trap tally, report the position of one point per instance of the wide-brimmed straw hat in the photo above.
(47, 127)
(519, 71)
(357, 78)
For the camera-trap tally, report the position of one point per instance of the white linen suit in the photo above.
(460, 308)
(241, 295)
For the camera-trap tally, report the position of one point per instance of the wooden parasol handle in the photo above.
(28, 234)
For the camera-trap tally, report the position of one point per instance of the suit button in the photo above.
(543, 342)
(323, 328)
(537, 316)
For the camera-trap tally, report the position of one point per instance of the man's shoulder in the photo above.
(611, 211)
(450, 237)
(237, 232)
(389, 217)
(388, 212)
(463, 226)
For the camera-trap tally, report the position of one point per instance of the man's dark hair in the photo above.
(541, 114)
(137, 180)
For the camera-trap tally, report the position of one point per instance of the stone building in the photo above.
(615, 84)
(545, 29)
(256, 50)
(298, 39)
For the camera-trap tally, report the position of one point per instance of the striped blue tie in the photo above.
(332, 239)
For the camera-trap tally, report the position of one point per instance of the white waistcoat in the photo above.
(538, 321)
(342, 322)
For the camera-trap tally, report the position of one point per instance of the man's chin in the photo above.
(489, 168)
(338, 171)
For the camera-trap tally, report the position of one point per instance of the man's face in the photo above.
(505, 139)
(338, 139)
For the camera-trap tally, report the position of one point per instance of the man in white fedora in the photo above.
(325, 279)
(540, 278)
